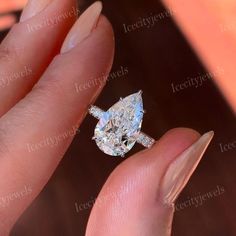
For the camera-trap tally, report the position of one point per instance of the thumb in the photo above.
(138, 198)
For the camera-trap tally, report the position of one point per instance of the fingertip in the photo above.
(171, 144)
(180, 138)
(45, 9)
(83, 27)
(106, 25)
(183, 131)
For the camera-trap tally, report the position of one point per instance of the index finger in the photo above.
(37, 131)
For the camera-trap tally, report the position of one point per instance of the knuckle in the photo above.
(53, 82)
(49, 88)
(8, 53)
(5, 53)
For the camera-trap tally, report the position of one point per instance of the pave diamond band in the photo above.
(145, 140)
(96, 112)
(142, 138)
(119, 128)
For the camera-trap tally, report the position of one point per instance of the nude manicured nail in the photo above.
(83, 27)
(33, 7)
(182, 168)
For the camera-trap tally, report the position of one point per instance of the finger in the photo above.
(209, 27)
(6, 21)
(37, 131)
(30, 46)
(11, 5)
(138, 198)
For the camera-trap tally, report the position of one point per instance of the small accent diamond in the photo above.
(145, 140)
(96, 112)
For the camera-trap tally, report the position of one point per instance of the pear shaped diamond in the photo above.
(119, 127)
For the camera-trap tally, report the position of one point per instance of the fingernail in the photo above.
(83, 27)
(182, 168)
(33, 7)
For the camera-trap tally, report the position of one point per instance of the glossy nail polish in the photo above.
(83, 27)
(182, 168)
(33, 7)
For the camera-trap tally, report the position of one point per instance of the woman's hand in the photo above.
(42, 67)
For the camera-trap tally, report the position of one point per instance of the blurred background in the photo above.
(157, 59)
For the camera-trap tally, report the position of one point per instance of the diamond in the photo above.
(119, 127)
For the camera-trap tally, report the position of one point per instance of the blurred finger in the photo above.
(11, 5)
(7, 21)
(209, 26)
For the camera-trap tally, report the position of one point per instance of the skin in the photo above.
(210, 27)
(7, 19)
(45, 103)
(12, 5)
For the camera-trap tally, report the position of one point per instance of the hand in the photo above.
(43, 65)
